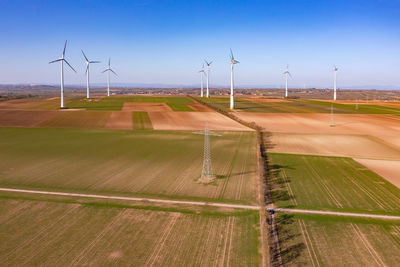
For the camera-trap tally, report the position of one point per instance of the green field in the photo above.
(338, 241)
(330, 183)
(146, 163)
(46, 233)
(300, 106)
(141, 121)
(117, 102)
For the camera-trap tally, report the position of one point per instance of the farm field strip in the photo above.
(318, 241)
(125, 164)
(351, 186)
(141, 121)
(44, 233)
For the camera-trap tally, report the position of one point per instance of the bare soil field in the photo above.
(199, 107)
(78, 119)
(266, 100)
(18, 104)
(193, 121)
(47, 233)
(388, 169)
(119, 120)
(24, 118)
(315, 243)
(136, 106)
(361, 146)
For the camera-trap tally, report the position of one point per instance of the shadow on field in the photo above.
(279, 182)
(218, 176)
(290, 249)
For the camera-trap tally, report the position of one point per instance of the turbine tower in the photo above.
(334, 83)
(233, 62)
(202, 81)
(207, 173)
(62, 59)
(88, 62)
(208, 76)
(108, 69)
(287, 73)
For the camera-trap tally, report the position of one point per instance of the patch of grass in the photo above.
(141, 121)
(330, 183)
(117, 102)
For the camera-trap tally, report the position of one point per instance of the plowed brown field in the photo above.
(193, 121)
(134, 106)
(24, 118)
(120, 120)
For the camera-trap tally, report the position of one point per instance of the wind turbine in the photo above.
(108, 69)
(88, 62)
(233, 62)
(287, 73)
(208, 76)
(202, 80)
(62, 59)
(335, 69)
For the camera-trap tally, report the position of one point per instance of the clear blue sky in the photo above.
(165, 42)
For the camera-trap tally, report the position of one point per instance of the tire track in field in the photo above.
(206, 244)
(368, 245)
(308, 242)
(228, 235)
(161, 242)
(285, 178)
(374, 199)
(225, 184)
(326, 187)
(106, 229)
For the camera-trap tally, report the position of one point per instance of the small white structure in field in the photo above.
(287, 73)
(232, 100)
(335, 69)
(208, 77)
(62, 59)
(88, 62)
(202, 81)
(108, 69)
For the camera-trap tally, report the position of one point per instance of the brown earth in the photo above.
(193, 121)
(199, 107)
(154, 107)
(18, 104)
(388, 169)
(361, 146)
(120, 120)
(25, 118)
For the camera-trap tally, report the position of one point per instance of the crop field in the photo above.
(78, 119)
(300, 106)
(330, 183)
(332, 241)
(117, 102)
(147, 163)
(51, 233)
(141, 121)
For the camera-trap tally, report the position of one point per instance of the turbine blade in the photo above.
(104, 71)
(206, 62)
(235, 62)
(55, 61)
(109, 62)
(85, 56)
(290, 74)
(94, 61)
(69, 65)
(87, 68)
(231, 54)
(65, 47)
(210, 63)
(113, 72)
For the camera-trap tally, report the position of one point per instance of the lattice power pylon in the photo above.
(207, 172)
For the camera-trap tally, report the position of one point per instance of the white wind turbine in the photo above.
(233, 62)
(88, 62)
(287, 73)
(108, 69)
(335, 69)
(62, 59)
(202, 81)
(208, 76)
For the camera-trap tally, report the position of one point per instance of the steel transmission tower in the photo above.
(207, 173)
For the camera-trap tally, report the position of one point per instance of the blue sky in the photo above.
(165, 42)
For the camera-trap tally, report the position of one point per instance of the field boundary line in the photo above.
(338, 213)
(142, 199)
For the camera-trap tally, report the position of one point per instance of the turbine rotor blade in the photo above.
(87, 68)
(235, 62)
(109, 62)
(55, 60)
(113, 72)
(104, 70)
(231, 54)
(87, 60)
(94, 61)
(65, 46)
(69, 65)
